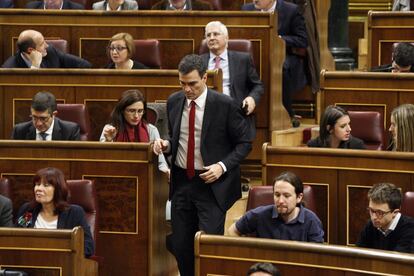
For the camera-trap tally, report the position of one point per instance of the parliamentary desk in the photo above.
(131, 196)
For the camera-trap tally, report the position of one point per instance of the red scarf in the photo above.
(138, 133)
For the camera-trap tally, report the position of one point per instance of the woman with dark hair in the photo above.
(128, 124)
(402, 128)
(121, 49)
(335, 131)
(50, 209)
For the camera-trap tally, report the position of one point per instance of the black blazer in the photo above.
(224, 138)
(62, 130)
(6, 4)
(352, 143)
(292, 29)
(244, 81)
(136, 65)
(67, 5)
(68, 219)
(53, 59)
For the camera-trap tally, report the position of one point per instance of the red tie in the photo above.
(217, 62)
(190, 148)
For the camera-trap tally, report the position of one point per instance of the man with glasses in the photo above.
(387, 229)
(45, 126)
(33, 52)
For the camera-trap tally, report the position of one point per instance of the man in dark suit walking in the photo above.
(208, 140)
(240, 79)
(54, 5)
(291, 28)
(45, 126)
(34, 52)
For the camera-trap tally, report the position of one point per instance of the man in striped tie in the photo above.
(208, 140)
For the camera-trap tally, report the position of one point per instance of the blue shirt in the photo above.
(265, 222)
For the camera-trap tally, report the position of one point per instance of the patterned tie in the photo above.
(217, 60)
(43, 135)
(190, 148)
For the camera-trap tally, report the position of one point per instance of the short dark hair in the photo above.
(56, 178)
(43, 101)
(386, 193)
(128, 97)
(24, 44)
(190, 63)
(328, 120)
(264, 267)
(403, 54)
(291, 178)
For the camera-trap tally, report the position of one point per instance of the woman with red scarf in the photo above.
(128, 124)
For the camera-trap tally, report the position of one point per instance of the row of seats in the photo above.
(263, 195)
(366, 125)
(147, 4)
(79, 114)
(81, 192)
(148, 51)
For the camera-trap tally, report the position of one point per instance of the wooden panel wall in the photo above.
(220, 255)
(131, 196)
(98, 89)
(384, 29)
(180, 33)
(380, 92)
(343, 177)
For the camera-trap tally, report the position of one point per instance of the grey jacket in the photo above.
(127, 5)
(6, 212)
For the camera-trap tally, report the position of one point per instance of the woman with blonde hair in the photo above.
(402, 128)
(121, 49)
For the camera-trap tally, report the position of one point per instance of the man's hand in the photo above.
(212, 174)
(36, 58)
(251, 105)
(160, 146)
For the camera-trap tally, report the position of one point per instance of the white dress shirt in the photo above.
(49, 132)
(200, 104)
(224, 66)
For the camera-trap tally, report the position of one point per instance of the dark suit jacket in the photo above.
(62, 130)
(68, 219)
(6, 216)
(53, 59)
(244, 81)
(195, 5)
(67, 5)
(224, 138)
(6, 4)
(291, 27)
(352, 143)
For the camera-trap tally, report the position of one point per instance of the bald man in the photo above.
(33, 52)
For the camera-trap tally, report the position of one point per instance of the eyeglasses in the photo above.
(41, 119)
(378, 213)
(133, 111)
(116, 48)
